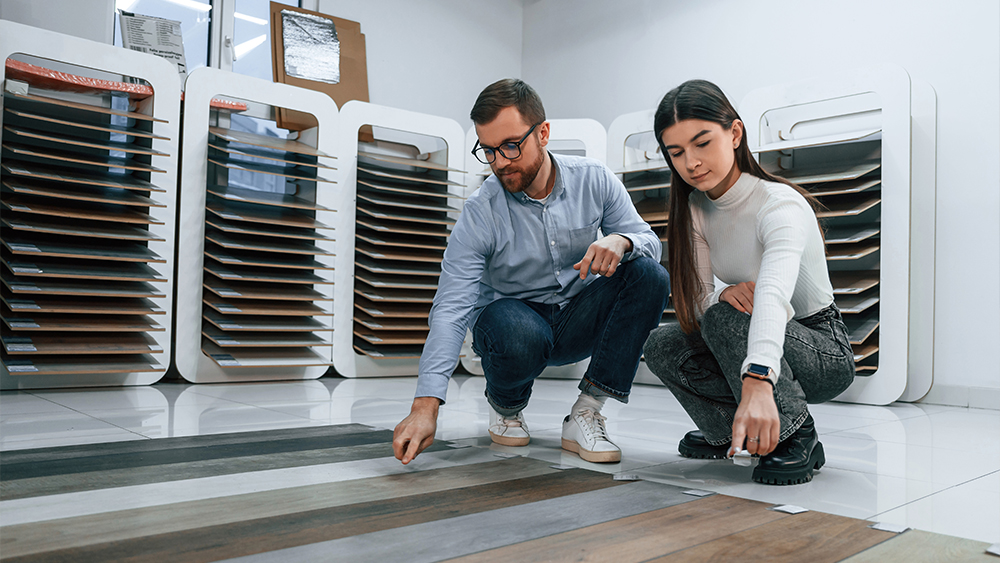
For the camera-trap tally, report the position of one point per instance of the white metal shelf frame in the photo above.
(18, 39)
(202, 85)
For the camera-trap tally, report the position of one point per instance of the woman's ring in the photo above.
(753, 439)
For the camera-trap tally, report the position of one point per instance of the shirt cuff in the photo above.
(432, 385)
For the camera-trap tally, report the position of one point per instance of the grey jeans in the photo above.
(702, 369)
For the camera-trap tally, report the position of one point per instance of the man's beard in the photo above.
(524, 178)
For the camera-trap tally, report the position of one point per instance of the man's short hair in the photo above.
(506, 93)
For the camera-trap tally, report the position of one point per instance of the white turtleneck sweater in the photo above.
(764, 232)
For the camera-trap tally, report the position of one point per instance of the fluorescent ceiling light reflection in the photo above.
(192, 4)
(250, 19)
(125, 5)
(247, 46)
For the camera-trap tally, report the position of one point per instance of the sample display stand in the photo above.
(847, 139)
(405, 189)
(88, 203)
(634, 154)
(580, 137)
(255, 279)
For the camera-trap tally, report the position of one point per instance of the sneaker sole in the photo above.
(509, 441)
(695, 453)
(797, 477)
(593, 457)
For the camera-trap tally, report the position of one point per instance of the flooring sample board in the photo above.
(417, 178)
(407, 269)
(389, 324)
(392, 310)
(278, 292)
(861, 326)
(267, 154)
(127, 343)
(89, 211)
(264, 198)
(63, 157)
(853, 282)
(862, 351)
(74, 176)
(644, 166)
(86, 306)
(80, 288)
(848, 206)
(385, 295)
(262, 339)
(644, 187)
(403, 161)
(830, 173)
(264, 230)
(403, 228)
(917, 546)
(264, 142)
(399, 254)
(844, 187)
(851, 304)
(401, 241)
(68, 227)
(399, 282)
(97, 194)
(653, 209)
(407, 202)
(236, 357)
(265, 308)
(265, 323)
(285, 172)
(83, 270)
(253, 274)
(850, 234)
(28, 137)
(852, 251)
(390, 337)
(389, 188)
(75, 323)
(407, 215)
(266, 244)
(235, 257)
(867, 366)
(259, 214)
(44, 121)
(43, 101)
(57, 365)
(388, 351)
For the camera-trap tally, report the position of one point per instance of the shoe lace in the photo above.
(513, 421)
(593, 424)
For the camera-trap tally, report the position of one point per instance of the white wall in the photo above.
(604, 59)
(89, 19)
(435, 56)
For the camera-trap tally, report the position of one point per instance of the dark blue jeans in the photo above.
(608, 322)
(702, 369)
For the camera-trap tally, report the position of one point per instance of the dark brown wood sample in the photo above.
(78, 142)
(405, 269)
(264, 230)
(233, 257)
(261, 214)
(402, 228)
(853, 304)
(27, 321)
(265, 308)
(264, 198)
(117, 252)
(267, 154)
(653, 209)
(865, 349)
(374, 323)
(56, 365)
(399, 254)
(254, 274)
(404, 161)
(89, 211)
(252, 139)
(70, 227)
(390, 337)
(398, 282)
(269, 339)
(280, 292)
(420, 178)
(388, 188)
(89, 306)
(284, 172)
(408, 216)
(265, 323)
(853, 282)
(57, 344)
(381, 294)
(392, 310)
(80, 177)
(62, 157)
(81, 288)
(388, 351)
(404, 241)
(97, 194)
(84, 270)
(285, 246)
(407, 202)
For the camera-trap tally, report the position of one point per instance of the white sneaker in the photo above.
(508, 430)
(583, 432)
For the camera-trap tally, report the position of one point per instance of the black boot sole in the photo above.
(702, 452)
(795, 476)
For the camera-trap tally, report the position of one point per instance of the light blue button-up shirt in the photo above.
(508, 245)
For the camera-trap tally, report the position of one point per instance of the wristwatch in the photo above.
(758, 371)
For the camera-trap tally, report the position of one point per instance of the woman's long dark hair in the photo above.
(697, 99)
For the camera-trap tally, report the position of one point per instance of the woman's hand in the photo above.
(740, 296)
(756, 419)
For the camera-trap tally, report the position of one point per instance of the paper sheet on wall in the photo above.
(155, 36)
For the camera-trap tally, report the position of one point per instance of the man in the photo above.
(525, 269)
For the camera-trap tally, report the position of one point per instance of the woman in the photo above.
(744, 359)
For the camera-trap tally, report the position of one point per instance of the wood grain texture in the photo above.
(916, 546)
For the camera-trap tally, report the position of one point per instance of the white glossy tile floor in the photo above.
(929, 467)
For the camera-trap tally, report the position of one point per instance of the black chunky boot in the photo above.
(794, 460)
(694, 445)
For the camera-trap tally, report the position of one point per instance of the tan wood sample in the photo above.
(79, 142)
(374, 323)
(86, 127)
(33, 224)
(63, 156)
(848, 206)
(81, 288)
(918, 546)
(399, 282)
(388, 351)
(30, 322)
(844, 187)
(90, 211)
(852, 304)
(80, 177)
(384, 295)
(853, 282)
(283, 246)
(831, 173)
(267, 155)
(85, 344)
(256, 339)
(254, 274)
(817, 141)
(405, 176)
(272, 171)
(264, 230)
(392, 310)
(850, 234)
(403, 228)
(657, 185)
(128, 252)
(277, 292)
(863, 351)
(230, 257)
(89, 306)
(403, 161)
(399, 254)
(409, 215)
(268, 216)
(265, 308)
(237, 357)
(852, 251)
(57, 365)
(411, 269)
(861, 326)
(255, 140)
(96, 194)
(246, 195)
(248, 323)
(653, 209)
(406, 202)
(405, 241)
(390, 337)
(84, 270)
(85, 107)
(428, 191)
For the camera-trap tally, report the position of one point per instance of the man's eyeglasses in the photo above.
(510, 151)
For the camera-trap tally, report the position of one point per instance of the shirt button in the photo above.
(552, 243)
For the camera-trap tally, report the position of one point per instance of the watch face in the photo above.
(757, 369)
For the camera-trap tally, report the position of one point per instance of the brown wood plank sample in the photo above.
(70, 227)
(641, 537)
(97, 194)
(253, 274)
(653, 209)
(644, 166)
(398, 282)
(852, 251)
(264, 323)
(266, 154)
(75, 323)
(402, 254)
(229, 257)
(850, 234)
(848, 206)
(387, 352)
(428, 191)
(264, 230)
(56, 344)
(833, 173)
(869, 347)
(405, 241)
(404, 161)
(406, 216)
(406, 202)
(78, 142)
(853, 282)
(34, 119)
(115, 252)
(64, 157)
(258, 214)
(918, 546)
(857, 303)
(377, 324)
(264, 198)
(85, 107)
(824, 537)
(81, 288)
(407, 269)
(861, 326)
(90, 211)
(266, 244)
(385, 295)
(392, 310)
(237, 357)
(259, 339)
(57, 365)
(390, 337)
(406, 176)
(264, 141)
(403, 228)
(280, 292)
(642, 187)
(846, 187)
(84, 270)
(80, 177)
(89, 306)
(269, 170)
(265, 308)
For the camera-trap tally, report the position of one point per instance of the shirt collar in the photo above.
(557, 187)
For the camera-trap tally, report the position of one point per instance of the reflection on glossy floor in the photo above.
(928, 467)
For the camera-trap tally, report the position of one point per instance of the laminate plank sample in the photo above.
(259, 214)
(642, 187)
(80, 288)
(822, 140)
(401, 254)
(844, 187)
(858, 303)
(254, 274)
(918, 546)
(263, 230)
(404, 228)
(265, 142)
(832, 173)
(389, 324)
(89, 306)
(69, 227)
(89, 211)
(643, 536)
(404, 241)
(861, 326)
(406, 202)
(653, 209)
(236, 357)
(848, 206)
(75, 176)
(55, 344)
(57, 365)
(279, 292)
(63, 156)
(414, 177)
(408, 216)
(862, 351)
(230, 257)
(388, 351)
(385, 295)
(267, 154)
(128, 252)
(265, 323)
(258, 339)
(853, 282)
(403, 161)
(34, 99)
(84, 270)
(264, 198)
(266, 244)
(284, 172)
(853, 251)
(825, 537)
(390, 188)
(75, 323)
(265, 308)
(27, 136)
(644, 166)
(428, 269)
(392, 310)
(398, 282)
(105, 128)
(850, 234)
(867, 366)
(390, 337)
(97, 194)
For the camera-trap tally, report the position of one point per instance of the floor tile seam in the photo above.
(872, 518)
(96, 418)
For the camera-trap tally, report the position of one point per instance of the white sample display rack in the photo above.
(88, 210)
(257, 238)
